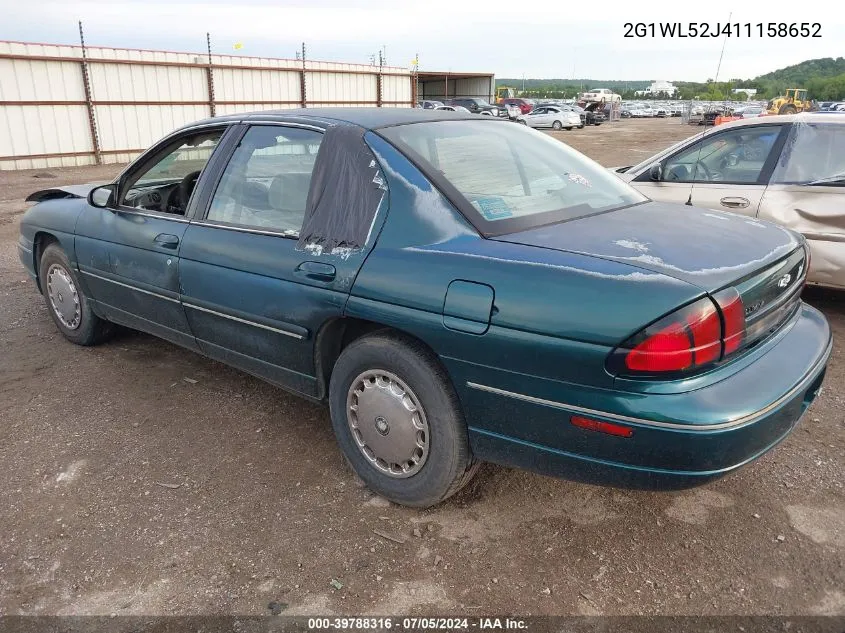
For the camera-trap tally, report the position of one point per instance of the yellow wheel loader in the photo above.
(795, 100)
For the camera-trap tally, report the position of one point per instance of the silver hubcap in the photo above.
(388, 423)
(63, 296)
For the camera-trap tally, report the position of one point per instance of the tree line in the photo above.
(824, 80)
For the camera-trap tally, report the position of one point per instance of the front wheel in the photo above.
(557, 125)
(398, 421)
(523, 121)
(67, 304)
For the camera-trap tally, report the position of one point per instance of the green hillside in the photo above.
(823, 68)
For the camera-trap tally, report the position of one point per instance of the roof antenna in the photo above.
(715, 84)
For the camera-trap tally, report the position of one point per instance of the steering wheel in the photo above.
(708, 175)
(177, 201)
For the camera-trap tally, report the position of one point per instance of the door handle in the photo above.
(166, 240)
(735, 203)
(316, 270)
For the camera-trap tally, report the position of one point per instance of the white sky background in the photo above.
(535, 38)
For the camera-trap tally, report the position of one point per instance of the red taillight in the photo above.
(733, 316)
(601, 427)
(697, 335)
(685, 339)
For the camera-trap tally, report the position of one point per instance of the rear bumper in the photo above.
(679, 439)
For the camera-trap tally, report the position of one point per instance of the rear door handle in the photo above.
(166, 240)
(316, 270)
(735, 203)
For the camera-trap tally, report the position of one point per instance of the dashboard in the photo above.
(162, 198)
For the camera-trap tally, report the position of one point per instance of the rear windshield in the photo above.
(508, 177)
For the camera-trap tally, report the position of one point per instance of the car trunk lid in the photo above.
(710, 249)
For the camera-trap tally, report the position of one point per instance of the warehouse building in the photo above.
(441, 86)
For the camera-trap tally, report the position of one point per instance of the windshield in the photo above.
(510, 177)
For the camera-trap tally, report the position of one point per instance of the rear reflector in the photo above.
(601, 427)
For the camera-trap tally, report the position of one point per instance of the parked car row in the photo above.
(462, 104)
(832, 106)
(556, 114)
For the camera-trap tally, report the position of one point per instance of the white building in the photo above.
(749, 93)
(656, 87)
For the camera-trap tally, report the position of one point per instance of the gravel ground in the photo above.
(140, 478)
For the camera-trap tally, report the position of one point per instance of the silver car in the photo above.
(786, 169)
(555, 117)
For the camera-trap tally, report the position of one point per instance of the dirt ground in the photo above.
(140, 478)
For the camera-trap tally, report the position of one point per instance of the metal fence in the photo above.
(70, 106)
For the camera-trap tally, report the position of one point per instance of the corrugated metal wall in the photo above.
(136, 96)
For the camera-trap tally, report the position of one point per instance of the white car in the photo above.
(788, 169)
(555, 117)
(452, 108)
(598, 94)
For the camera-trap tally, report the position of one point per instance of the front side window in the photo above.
(735, 156)
(510, 177)
(165, 184)
(266, 183)
(813, 154)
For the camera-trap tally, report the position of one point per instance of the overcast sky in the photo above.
(537, 38)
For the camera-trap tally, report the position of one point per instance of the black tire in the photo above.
(787, 108)
(84, 327)
(449, 464)
(569, 129)
(581, 127)
(523, 121)
(557, 125)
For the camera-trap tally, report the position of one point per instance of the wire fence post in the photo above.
(89, 102)
(379, 79)
(302, 84)
(415, 87)
(209, 73)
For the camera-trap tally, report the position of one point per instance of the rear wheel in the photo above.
(787, 108)
(67, 304)
(398, 421)
(523, 121)
(557, 125)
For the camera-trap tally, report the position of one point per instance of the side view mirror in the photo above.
(655, 172)
(103, 196)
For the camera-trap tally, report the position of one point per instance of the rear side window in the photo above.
(812, 153)
(266, 183)
(509, 177)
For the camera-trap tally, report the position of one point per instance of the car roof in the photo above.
(368, 118)
(804, 117)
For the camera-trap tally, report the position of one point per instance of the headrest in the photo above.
(289, 192)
